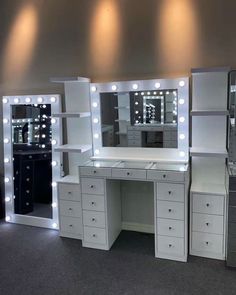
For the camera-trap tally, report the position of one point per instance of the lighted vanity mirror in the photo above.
(139, 119)
(232, 112)
(31, 165)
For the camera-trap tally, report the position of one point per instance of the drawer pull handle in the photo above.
(170, 228)
(71, 225)
(169, 192)
(93, 219)
(70, 209)
(128, 173)
(207, 204)
(69, 193)
(94, 171)
(27, 167)
(91, 186)
(94, 236)
(169, 210)
(207, 243)
(93, 203)
(207, 223)
(164, 175)
(170, 245)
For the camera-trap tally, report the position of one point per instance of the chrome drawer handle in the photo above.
(207, 243)
(170, 245)
(93, 203)
(207, 223)
(164, 175)
(69, 193)
(91, 186)
(128, 173)
(94, 236)
(71, 225)
(169, 210)
(207, 204)
(93, 219)
(170, 228)
(70, 209)
(169, 192)
(94, 171)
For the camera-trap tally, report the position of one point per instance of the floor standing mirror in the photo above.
(31, 166)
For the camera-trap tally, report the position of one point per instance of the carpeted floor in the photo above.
(36, 261)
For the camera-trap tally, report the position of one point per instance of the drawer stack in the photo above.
(231, 246)
(207, 225)
(70, 211)
(171, 211)
(93, 204)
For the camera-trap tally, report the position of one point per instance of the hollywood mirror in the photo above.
(31, 166)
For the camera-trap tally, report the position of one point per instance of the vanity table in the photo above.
(101, 183)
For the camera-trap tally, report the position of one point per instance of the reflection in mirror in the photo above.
(139, 119)
(31, 137)
(232, 112)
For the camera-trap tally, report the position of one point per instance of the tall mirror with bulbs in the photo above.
(31, 165)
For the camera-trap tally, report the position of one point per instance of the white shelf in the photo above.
(121, 133)
(121, 108)
(208, 188)
(73, 148)
(209, 113)
(71, 179)
(68, 79)
(208, 152)
(121, 120)
(72, 115)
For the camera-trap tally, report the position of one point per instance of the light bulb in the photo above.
(44, 106)
(5, 120)
(161, 93)
(182, 169)
(157, 85)
(16, 100)
(53, 120)
(5, 100)
(6, 140)
(142, 93)
(97, 165)
(167, 92)
(114, 87)
(95, 120)
(95, 104)
(53, 99)
(135, 86)
(7, 179)
(136, 93)
(54, 142)
(181, 119)
(43, 135)
(28, 99)
(44, 126)
(6, 160)
(136, 103)
(136, 112)
(182, 154)
(181, 83)
(96, 135)
(148, 93)
(8, 218)
(93, 88)
(97, 152)
(54, 163)
(40, 99)
(54, 184)
(7, 199)
(54, 225)
(181, 101)
(54, 205)
(182, 136)
(43, 146)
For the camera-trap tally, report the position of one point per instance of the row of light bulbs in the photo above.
(135, 86)
(6, 121)
(28, 100)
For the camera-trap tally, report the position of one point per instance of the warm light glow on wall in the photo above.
(105, 34)
(178, 29)
(20, 44)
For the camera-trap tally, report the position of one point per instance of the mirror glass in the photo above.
(140, 119)
(232, 112)
(32, 154)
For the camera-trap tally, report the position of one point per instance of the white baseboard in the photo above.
(139, 227)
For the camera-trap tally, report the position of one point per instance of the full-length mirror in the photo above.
(139, 119)
(32, 154)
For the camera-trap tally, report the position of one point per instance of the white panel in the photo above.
(76, 94)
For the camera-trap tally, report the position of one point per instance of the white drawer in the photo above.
(165, 175)
(172, 210)
(93, 218)
(70, 192)
(71, 225)
(92, 186)
(129, 173)
(170, 245)
(93, 202)
(93, 171)
(94, 235)
(207, 242)
(170, 227)
(208, 223)
(170, 192)
(70, 208)
(209, 204)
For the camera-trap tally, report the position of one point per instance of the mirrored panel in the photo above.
(232, 112)
(139, 119)
(32, 157)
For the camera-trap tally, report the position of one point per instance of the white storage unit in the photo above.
(208, 196)
(78, 148)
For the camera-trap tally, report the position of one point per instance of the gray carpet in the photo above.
(36, 261)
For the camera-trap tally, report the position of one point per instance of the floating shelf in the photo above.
(72, 115)
(208, 188)
(121, 133)
(209, 113)
(71, 179)
(208, 152)
(73, 148)
(121, 107)
(120, 120)
(68, 79)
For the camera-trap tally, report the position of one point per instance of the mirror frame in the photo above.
(55, 101)
(182, 87)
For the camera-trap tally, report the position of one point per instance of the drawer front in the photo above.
(232, 214)
(207, 242)
(129, 173)
(70, 192)
(165, 176)
(93, 218)
(94, 235)
(171, 228)
(69, 208)
(170, 192)
(93, 171)
(93, 202)
(170, 245)
(171, 210)
(208, 223)
(92, 186)
(208, 204)
(71, 225)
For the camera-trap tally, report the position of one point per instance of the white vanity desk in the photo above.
(100, 183)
